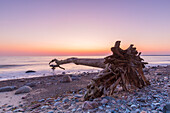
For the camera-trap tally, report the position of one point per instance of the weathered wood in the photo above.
(99, 63)
(124, 68)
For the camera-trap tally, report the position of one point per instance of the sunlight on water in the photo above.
(13, 67)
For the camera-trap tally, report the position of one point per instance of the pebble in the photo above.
(150, 99)
(7, 88)
(100, 107)
(45, 107)
(66, 79)
(31, 84)
(42, 100)
(19, 110)
(104, 101)
(30, 71)
(89, 105)
(51, 112)
(57, 103)
(78, 96)
(24, 89)
(133, 106)
(66, 100)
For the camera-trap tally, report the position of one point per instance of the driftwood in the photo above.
(123, 67)
(99, 63)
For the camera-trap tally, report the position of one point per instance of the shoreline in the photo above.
(50, 87)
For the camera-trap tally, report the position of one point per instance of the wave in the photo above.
(18, 65)
(11, 65)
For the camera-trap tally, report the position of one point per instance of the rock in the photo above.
(156, 104)
(155, 96)
(18, 110)
(141, 99)
(154, 111)
(143, 111)
(66, 78)
(137, 110)
(75, 78)
(166, 108)
(73, 110)
(108, 106)
(57, 103)
(31, 84)
(35, 106)
(42, 100)
(7, 88)
(30, 71)
(100, 107)
(104, 101)
(66, 106)
(89, 105)
(159, 73)
(24, 89)
(133, 106)
(78, 96)
(45, 107)
(65, 100)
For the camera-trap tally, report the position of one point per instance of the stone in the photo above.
(24, 89)
(155, 96)
(100, 107)
(45, 107)
(159, 73)
(57, 103)
(73, 110)
(66, 79)
(65, 100)
(7, 88)
(166, 108)
(137, 110)
(104, 101)
(35, 106)
(156, 104)
(89, 105)
(141, 99)
(143, 111)
(133, 106)
(154, 111)
(19, 110)
(51, 112)
(66, 106)
(42, 100)
(31, 84)
(78, 96)
(75, 78)
(30, 71)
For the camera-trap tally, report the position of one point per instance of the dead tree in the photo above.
(123, 67)
(99, 63)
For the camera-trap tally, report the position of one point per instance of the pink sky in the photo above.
(86, 27)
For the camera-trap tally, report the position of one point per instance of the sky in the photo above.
(83, 27)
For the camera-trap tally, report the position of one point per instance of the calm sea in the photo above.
(13, 67)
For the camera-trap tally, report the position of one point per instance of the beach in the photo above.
(52, 94)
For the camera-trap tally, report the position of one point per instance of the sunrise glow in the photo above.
(85, 27)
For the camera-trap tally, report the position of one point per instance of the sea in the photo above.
(14, 67)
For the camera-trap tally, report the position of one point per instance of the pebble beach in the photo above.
(64, 94)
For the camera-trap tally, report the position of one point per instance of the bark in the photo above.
(99, 63)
